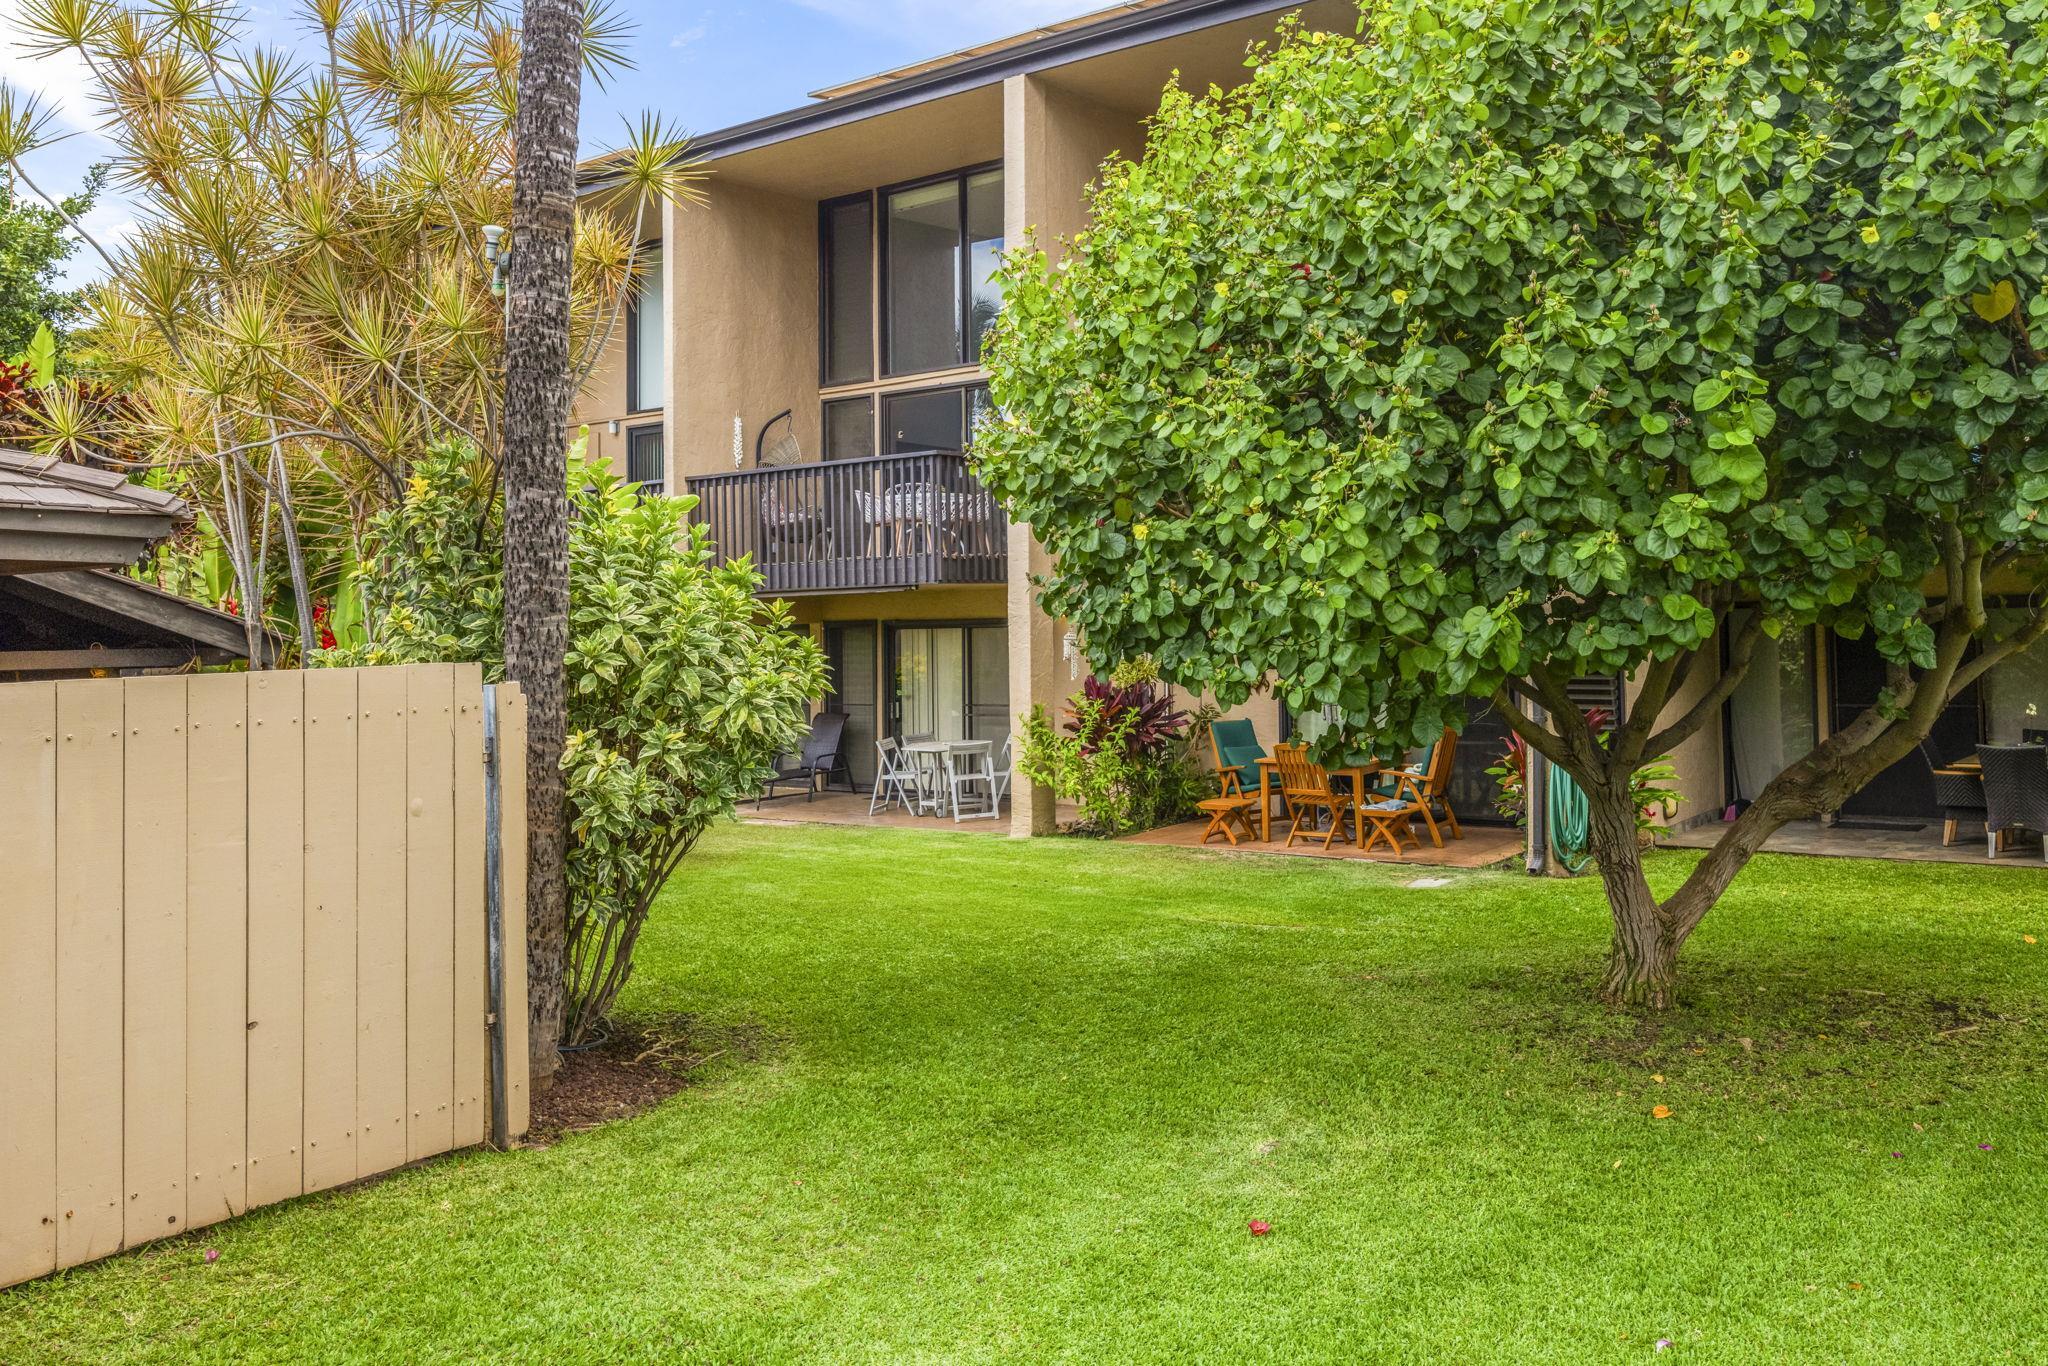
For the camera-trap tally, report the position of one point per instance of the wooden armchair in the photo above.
(1305, 787)
(1235, 747)
(1426, 780)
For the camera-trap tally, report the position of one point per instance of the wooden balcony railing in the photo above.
(886, 521)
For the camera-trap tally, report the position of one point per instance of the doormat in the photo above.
(1878, 823)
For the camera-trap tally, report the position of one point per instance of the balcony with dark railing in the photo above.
(885, 521)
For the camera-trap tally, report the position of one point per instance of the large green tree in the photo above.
(34, 244)
(1514, 341)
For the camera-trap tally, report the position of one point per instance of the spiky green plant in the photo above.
(308, 304)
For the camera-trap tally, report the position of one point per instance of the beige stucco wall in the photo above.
(1053, 143)
(743, 324)
(981, 602)
(1698, 761)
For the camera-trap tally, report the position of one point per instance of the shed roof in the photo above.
(58, 515)
(45, 483)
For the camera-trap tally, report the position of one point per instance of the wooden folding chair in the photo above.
(1305, 787)
(1427, 783)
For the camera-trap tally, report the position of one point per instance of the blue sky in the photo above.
(712, 65)
(703, 65)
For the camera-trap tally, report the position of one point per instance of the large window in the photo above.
(932, 419)
(645, 350)
(935, 249)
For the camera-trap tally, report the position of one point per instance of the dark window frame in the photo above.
(962, 387)
(963, 305)
(889, 700)
(633, 344)
(651, 488)
(825, 208)
(825, 405)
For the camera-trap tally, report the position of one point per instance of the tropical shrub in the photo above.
(308, 299)
(1651, 787)
(683, 685)
(1123, 754)
(1508, 342)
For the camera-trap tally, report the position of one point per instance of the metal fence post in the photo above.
(494, 915)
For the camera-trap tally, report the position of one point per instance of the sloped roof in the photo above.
(41, 483)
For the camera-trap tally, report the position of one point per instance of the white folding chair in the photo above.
(970, 780)
(895, 778)
(1006, 764)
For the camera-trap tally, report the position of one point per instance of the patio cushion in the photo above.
(1238, 747)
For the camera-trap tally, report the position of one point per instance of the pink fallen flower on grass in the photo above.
(212, 1255)
(1259, 1227)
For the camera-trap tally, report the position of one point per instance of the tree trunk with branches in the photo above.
(536, 536)
(1642, 967)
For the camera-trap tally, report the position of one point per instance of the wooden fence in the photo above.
(243, 944)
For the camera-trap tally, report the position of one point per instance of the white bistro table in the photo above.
(930, 758)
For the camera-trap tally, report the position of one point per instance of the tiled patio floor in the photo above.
(1482, 846)
(1834, 841)
(845, 808)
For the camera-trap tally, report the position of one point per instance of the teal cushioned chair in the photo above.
(1237, 751)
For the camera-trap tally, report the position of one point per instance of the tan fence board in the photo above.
(28, 981)
(330, 899)
(89, 772)
(472, 961)
(430, 910)
(216, 947)
(277, 936)
(512, 818)
(153, 912)
(242, 944)
(380, 920)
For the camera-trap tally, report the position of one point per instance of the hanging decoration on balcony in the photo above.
(739, 442)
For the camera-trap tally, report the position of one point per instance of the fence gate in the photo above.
(243, 944)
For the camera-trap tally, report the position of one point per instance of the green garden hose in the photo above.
(1571, 828)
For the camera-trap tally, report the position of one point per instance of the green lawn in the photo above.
(991, 1099)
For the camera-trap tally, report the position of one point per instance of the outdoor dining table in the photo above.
(930, 758)
(1357, 773)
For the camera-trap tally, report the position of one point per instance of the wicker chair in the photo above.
(1960, 795)
(2015, 792)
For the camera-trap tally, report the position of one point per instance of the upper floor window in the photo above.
(645, 335)
(934, 246)
(847, 257)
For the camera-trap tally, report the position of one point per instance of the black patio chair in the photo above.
(821, 754)
(2015, 791)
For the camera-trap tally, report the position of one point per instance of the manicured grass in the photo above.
(989, 1099)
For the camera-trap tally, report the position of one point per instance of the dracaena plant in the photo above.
(308, 304)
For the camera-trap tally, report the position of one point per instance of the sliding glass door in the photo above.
(949, 682)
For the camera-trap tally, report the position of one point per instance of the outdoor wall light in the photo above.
(498, 258)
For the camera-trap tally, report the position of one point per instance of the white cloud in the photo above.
(58, 84)
(690, 35)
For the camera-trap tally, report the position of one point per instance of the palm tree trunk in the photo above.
(536, 523)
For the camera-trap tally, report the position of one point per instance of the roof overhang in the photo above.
(33, 539)
(127, 624)
(1116, 32)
